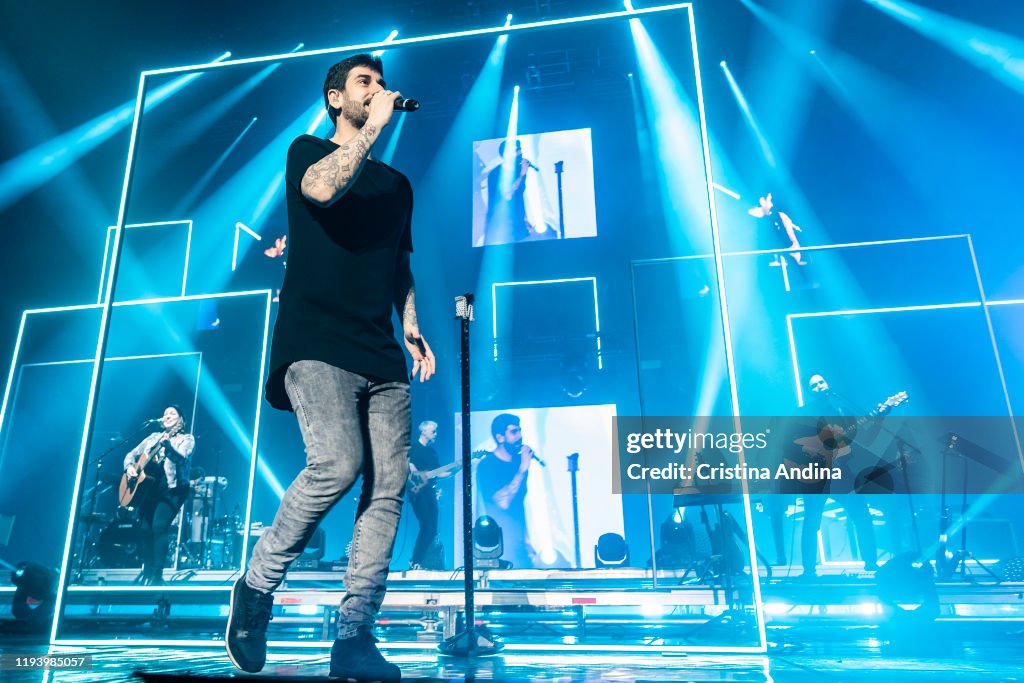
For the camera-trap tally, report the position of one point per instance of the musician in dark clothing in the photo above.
(423, 495)
(825, 406)
(501, 480)
(163, 490)
(783, 228)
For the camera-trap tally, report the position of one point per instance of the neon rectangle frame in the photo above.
(106, 246)
(494, 308)
(79, 472)
(80, 361)
(630, 13)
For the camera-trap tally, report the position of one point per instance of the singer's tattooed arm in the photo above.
(405, 294)
(328, 179)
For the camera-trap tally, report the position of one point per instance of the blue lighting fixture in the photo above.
(488, 544)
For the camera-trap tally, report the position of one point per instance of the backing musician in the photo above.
(166, 487)
(423, 495)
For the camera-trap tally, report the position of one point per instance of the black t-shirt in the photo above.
(423, 457)
(493, 474)
(338, 290)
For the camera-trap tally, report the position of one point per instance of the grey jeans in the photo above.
(351, 426)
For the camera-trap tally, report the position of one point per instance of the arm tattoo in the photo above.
(328, 179)
(405, 293)
(409, 310)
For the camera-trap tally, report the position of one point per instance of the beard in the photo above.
(355, 112)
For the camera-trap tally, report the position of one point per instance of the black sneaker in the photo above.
(358, 659)
(248, 616)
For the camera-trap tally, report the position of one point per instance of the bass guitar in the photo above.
(420, 478)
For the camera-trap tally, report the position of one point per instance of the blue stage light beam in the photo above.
(200, 122)
(24, 118)
(996, 53)
(474, 121)
(748, 116)
(677, 152)
(388, 155)
(186, 202)
(509, 156)
(676, 147)
(774, 71)
(497, 262)
(37, 166)
(249, 195)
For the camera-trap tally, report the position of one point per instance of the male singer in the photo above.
(336, 364)
(501, 480)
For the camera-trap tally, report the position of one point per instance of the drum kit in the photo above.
(205, 540)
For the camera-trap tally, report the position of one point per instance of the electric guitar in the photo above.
(420, 478)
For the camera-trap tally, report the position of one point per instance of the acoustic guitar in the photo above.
(129, 488)
(835, 436)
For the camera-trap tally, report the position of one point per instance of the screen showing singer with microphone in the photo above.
(534, 187)
(524, 482)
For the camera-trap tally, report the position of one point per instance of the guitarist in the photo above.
(424, 496)
(166, 488)
(823, 402)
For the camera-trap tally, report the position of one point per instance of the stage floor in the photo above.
(841, 656)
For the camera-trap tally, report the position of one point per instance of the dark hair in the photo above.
(503, 422)
(337, 75)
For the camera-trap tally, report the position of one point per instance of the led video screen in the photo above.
(534, 187)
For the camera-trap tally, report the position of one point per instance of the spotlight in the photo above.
(722, 64)
(488, 544)
(678, 548)
(508, 20)
(34, 595)
(573, 377)
(908, 597)
(611, 551)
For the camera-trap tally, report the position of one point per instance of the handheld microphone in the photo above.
(154, 420)
(542, 463)
(406, 104)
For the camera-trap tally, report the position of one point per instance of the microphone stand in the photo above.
(902, 445)
(574, 467)
(98, 460)
(471, 642)
(559, 165)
